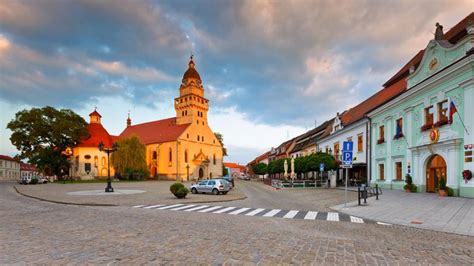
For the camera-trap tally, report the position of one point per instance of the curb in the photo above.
(64, 202)
(109, 205)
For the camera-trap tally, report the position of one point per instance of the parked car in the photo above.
(25, 180)
(43, 180)
(229, 179)
(245, 177)
(214, 186)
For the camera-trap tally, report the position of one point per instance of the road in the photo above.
(38, 232)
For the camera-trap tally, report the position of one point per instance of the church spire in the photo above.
(129, 121)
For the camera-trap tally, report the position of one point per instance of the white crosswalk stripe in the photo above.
(225, 210)
(356, 220)
(182, 207)
(291, 214)
(271, 213)
(169, 206)
(196, 208)
(254, 212)
(333, 216)
(210, 209)
(153, 206)
(239, 211)
(310, 215)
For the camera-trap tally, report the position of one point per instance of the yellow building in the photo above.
(184, 145)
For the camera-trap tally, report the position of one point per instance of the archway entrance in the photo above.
(435, 170)
(201, 173)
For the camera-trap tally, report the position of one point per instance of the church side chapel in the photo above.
(177, 148)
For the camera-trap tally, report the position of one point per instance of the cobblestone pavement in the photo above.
(39, 232)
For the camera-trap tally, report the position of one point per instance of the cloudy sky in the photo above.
(271, 69)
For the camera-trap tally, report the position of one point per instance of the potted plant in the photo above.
(179, 190)
(409, 186)
(442, 187)
(467, 175)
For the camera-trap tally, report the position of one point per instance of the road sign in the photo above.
(347, 146)
(321, 167)
(347, 154)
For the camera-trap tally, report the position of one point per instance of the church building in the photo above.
(177, 148)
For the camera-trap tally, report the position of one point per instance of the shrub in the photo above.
(409, 184)
(34, 181)
(182, 192)
(450, 191)
(175, 187)
(442, 184)
(413, 188)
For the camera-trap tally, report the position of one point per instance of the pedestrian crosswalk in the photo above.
(261, 212)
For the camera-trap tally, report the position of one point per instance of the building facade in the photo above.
(9, 168)
(427, 131)
(28, 170)
(182, 147)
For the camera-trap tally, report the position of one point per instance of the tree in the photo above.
(260, 169)
(42, 134)
(225, 171)
(129, 159)
(220, 138)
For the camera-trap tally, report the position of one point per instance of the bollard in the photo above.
(358, 193)
(376, 191)
(365, 194)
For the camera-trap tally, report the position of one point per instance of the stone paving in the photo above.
(421, 210)
(40, 232)
(156, 191)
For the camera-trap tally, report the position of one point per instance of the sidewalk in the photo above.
(421, 210)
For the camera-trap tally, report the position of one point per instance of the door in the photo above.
(435, 170)
(201, 173)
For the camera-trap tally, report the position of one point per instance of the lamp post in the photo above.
(109, 150)
(187, 171)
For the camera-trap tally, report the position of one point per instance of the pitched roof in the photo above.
(97, 133)
(27, 167)
(7, 158)
(234, 166)
(95, 113)
(455, 34)
(156, 131)
(384, 95)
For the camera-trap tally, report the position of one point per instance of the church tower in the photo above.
(191, 106)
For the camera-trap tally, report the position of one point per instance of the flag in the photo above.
(452, 111)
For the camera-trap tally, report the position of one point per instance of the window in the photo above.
(381, 134)
(429, 116)
(155, 155)
(398, 128)
(198, 138)
(170, 155)
(336, 149)
(202, 138)
(96, 161)
(443, 112)
(186, 156)
(214, 158)
(187, 136)
(398, 171)
(360, 143)
(87, 167)
(381, 171)
(103, 161)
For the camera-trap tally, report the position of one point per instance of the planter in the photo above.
(180, 195)
(442, 193)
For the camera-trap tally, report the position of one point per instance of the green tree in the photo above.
(260, 169)
(129, 159)
(42, 134)
(220, 138)
(225, 171)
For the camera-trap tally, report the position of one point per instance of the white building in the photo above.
(9, 168)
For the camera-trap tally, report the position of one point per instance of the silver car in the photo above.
(214, 186)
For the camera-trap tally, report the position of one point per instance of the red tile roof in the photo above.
(156, 131)
(359, 111)
(7, 158)
(97, 134)
(27, 167)
(234, 166)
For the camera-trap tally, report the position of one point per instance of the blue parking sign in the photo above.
(347, 146)
(347, 154)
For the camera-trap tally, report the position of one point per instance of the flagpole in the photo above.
(462, 122)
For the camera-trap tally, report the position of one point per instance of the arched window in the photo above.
(198, 138)
(155, 155)
(170, 155)
(103, 161)
(186, 156)
(214, 158)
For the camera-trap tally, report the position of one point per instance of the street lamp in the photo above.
(109, 150)
(187, 170)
